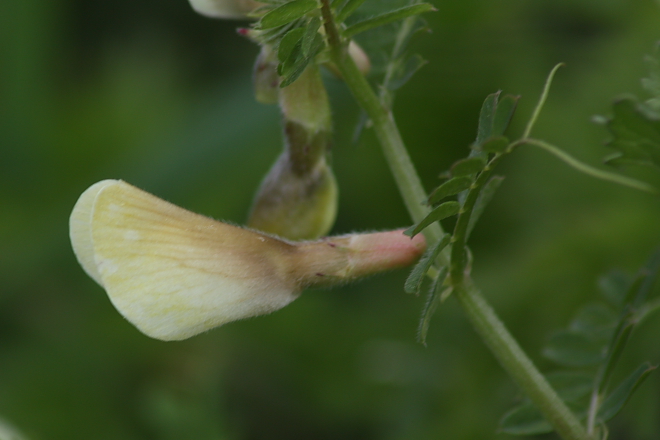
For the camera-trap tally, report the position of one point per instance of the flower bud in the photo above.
(265, 77)
(296, 205)
(298, 198)
(360, 57)
(229, 9)
(173, 273)
(305, 102)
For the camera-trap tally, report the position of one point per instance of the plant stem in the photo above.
(403, 170)
(517, 364)
(482, 316)
(494, 333)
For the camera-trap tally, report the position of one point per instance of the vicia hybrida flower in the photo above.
(173, 273)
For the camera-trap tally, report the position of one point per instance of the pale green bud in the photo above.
(305, 102)
(265, 77)
(293, 205)
(298, 198)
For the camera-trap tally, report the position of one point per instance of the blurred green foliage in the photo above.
(150, 92)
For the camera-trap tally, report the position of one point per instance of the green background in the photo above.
(152, 93)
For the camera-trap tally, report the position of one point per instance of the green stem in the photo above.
(403, 170)
(492, 330)
(484, 319)
(517, 364)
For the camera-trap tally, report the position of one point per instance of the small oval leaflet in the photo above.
(497, 144)
(466, 167)
(506, 107)
(443, 211)
(297, 61)
(289, 43)
(486, 117)
(310, 35)
(286, 13)
(449, 188)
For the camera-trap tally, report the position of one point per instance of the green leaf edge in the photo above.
(443, 211)
(449, 188)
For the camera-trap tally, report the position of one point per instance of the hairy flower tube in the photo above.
(173, 273)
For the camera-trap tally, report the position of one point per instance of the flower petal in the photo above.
(80, 229)
(173, 273)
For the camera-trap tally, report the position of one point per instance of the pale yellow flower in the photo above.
(174, 273)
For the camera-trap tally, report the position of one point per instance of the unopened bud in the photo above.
(229, 9)
(265, 77)
(295, 205)
(173, 273)
(305, 101)
(298, 198)
(360, 57)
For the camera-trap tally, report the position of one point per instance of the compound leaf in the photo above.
(635, 128)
